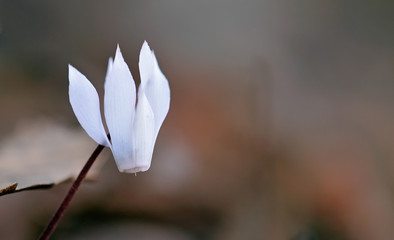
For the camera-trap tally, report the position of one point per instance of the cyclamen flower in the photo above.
(133, 127)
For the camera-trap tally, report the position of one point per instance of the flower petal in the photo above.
(144, 138)
(109, 68)
(155, 85)
(86, 106)
(145, 64)
(119, 110)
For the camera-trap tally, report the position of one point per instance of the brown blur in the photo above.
(281, 123)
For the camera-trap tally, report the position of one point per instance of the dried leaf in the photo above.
(8, 189)
(40, 154)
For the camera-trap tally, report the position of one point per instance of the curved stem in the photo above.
(70, 194)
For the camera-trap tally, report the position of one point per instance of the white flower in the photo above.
(133, 127)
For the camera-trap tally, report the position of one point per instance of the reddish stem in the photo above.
(66, 201)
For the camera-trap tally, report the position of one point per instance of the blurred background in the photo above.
(281, 123)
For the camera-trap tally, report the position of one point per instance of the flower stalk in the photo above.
(70, 194)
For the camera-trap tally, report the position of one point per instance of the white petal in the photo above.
(158, 94)
(119, 109)
(109, 68)
(155, 85)
(143, 136)
(86, 106)
(145, 64)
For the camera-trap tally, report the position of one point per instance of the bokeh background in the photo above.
(281, 123)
